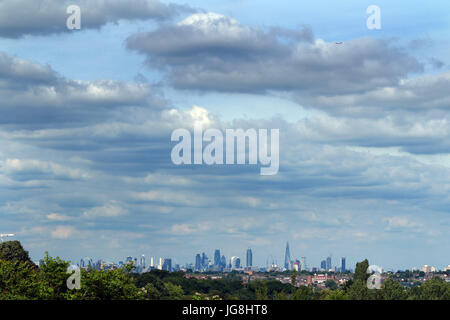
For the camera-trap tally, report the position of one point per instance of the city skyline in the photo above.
(166, 264)
(203, 259)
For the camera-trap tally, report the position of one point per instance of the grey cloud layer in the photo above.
(361, 78)
(215, 52)
(33, 95)
(22, 17)
(425, 94)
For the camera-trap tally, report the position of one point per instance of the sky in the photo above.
(86, 118)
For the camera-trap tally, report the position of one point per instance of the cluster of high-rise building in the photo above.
(325, 265)
(203, 263)
(219, 263)
(140, 265)
(291, 264)
(300, 264)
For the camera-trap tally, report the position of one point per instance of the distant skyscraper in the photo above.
(167, 265)
(142, 262)
(198, 262)
(287, 257)
(249, 262)
(160, 264)
(235, 262)
(152, 263)
(217, 258)
(323, 264)
(343, 264)
(303, 264)
(204, 260)
(328, 263)
(223, 262)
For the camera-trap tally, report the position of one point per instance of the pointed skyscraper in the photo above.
(287, 257)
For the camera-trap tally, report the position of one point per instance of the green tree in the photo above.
(107, 285)
(175, 291)
(303, 293)
(19, 280)
(13, 251)
(280, 296)
(151, 292)
(262, 291)
(433, 289)
(293, 278)
(336, 295)
(53, 272)
(393, 290)
(331, 284)
(359, 291)
(361, 271)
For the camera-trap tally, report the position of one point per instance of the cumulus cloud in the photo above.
(22, 17)
(402, 222)
(362, 78)
(57, 217)
(33, 96)
(171, 197)
(38, 167)
(110, 209)
(185, 229)
(412, 133)
(62, 232)
(209, 51)
(420, 94)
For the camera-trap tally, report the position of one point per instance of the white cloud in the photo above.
(185, 229)
(57, 217)
(402, 222)
(22, 17)
(62, 232)
(171, 197)
(110, 209)
(47, 167)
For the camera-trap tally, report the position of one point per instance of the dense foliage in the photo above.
(21, 279)
(13, 251)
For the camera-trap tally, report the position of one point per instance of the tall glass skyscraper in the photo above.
(198, 262)
(328, 263)
(249, 258)
(204, 260)
(287, 257)
(217, 257)
(167, 265)
(223, 262)
(343, 264)
(302, 263)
